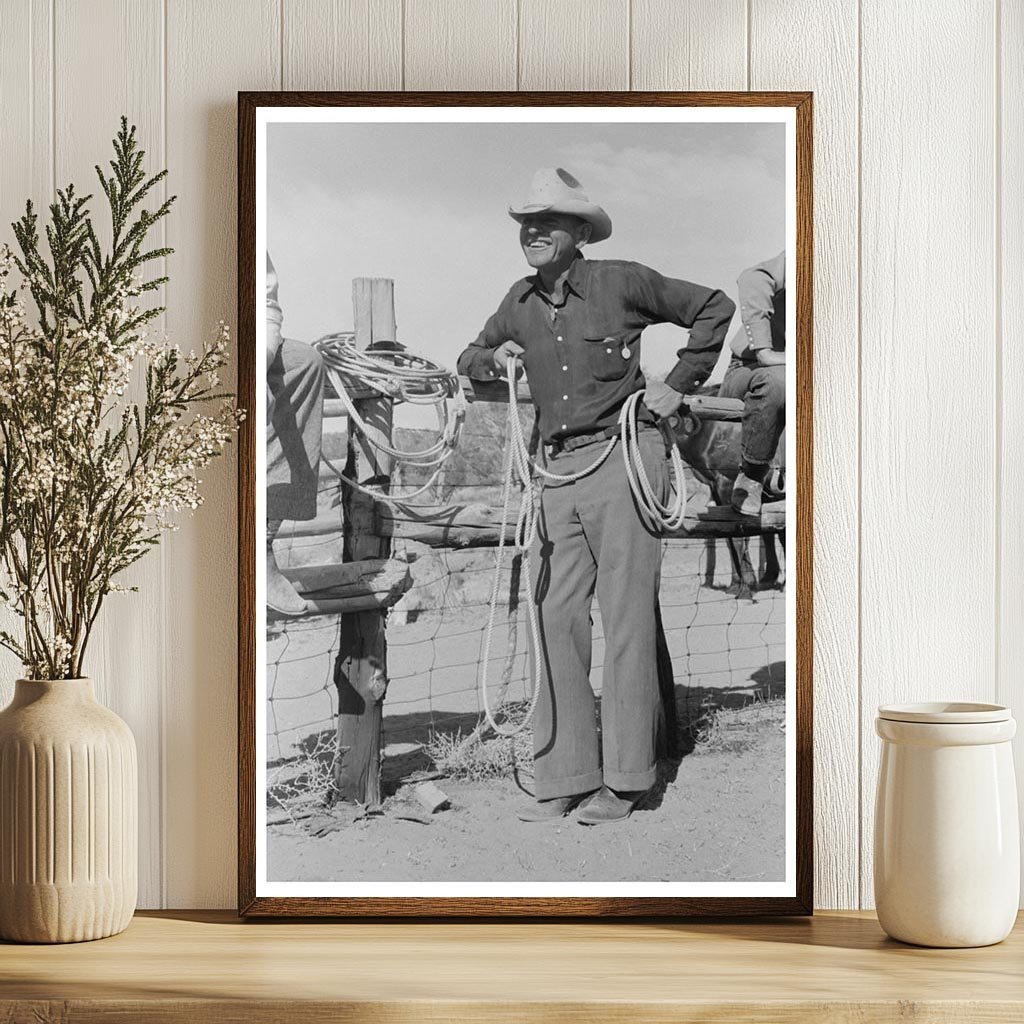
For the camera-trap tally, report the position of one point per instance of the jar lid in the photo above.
(945, 713)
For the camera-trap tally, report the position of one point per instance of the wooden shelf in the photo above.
(208, 966)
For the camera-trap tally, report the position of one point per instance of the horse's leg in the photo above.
(769, 562)
(710, 559)
(743, 579)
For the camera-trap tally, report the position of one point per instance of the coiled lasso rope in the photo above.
(659, 517)
(406, 378)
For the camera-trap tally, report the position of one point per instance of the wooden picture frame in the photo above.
(794, 109)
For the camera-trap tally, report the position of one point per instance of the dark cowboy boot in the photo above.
(549, 810)
(282, 598)
(607, 806)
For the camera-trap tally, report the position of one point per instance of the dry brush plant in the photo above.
(89, 478)
(480, 755)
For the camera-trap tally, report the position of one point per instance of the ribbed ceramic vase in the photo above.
(68, 815)
(947, 847)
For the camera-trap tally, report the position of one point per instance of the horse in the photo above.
(708, 434)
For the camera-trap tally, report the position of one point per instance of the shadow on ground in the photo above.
(406, 735)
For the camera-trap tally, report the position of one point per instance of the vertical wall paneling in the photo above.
(342, 44)
(1010, 177)
(574, 44)
(460, 44)
(928, 409)
(16, 71)
(123, 658)
(213, 51)
(831, 73)
(26, 67)
(694, 44)
(26, 172)
(924, 563)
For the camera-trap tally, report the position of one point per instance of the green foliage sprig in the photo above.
(89, 478)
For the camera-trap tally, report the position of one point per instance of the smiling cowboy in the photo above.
(575, 326)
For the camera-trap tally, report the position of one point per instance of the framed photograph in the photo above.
(525, 504)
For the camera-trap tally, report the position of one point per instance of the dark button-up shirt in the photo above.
(582, 358)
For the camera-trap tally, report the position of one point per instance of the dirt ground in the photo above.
(717, 815)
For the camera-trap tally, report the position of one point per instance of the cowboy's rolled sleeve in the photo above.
(757, 288)
(477, 359)
(705, 312)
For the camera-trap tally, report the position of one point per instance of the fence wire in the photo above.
(726, 651)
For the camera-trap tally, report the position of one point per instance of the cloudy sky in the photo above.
(426, 204)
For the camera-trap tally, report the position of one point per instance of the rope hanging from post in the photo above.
(403, 377)
(659, 517)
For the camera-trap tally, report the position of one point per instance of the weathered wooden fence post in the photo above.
(361, 671)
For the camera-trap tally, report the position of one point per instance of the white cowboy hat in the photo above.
(554, 189)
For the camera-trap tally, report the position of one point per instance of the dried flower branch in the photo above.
(89, 478)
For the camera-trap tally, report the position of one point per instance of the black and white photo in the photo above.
(525, 471)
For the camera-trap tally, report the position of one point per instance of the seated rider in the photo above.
(295, 388)
(757, 374)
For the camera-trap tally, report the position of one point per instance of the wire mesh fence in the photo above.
(726, 651)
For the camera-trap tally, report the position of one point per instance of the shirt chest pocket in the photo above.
(608, 357)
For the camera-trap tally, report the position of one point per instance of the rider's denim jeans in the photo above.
(763, 390)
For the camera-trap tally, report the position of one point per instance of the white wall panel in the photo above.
(689, 44)
(916, 574)
(26, 169)
(1010, 371)
(26, 73)
(126, 663)
(460, 44)
(213, 51)
(928, 355)
(573, 44)
(832, 75)
(342, 44)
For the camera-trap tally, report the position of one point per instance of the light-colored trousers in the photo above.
(590, 539)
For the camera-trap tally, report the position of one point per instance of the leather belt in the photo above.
(570, 444)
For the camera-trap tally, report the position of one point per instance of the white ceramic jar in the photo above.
(947, 847)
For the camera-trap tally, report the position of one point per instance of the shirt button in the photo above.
(564, 427)
(565, 367)
(607, 350)
(565, 398)
(559, 338)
